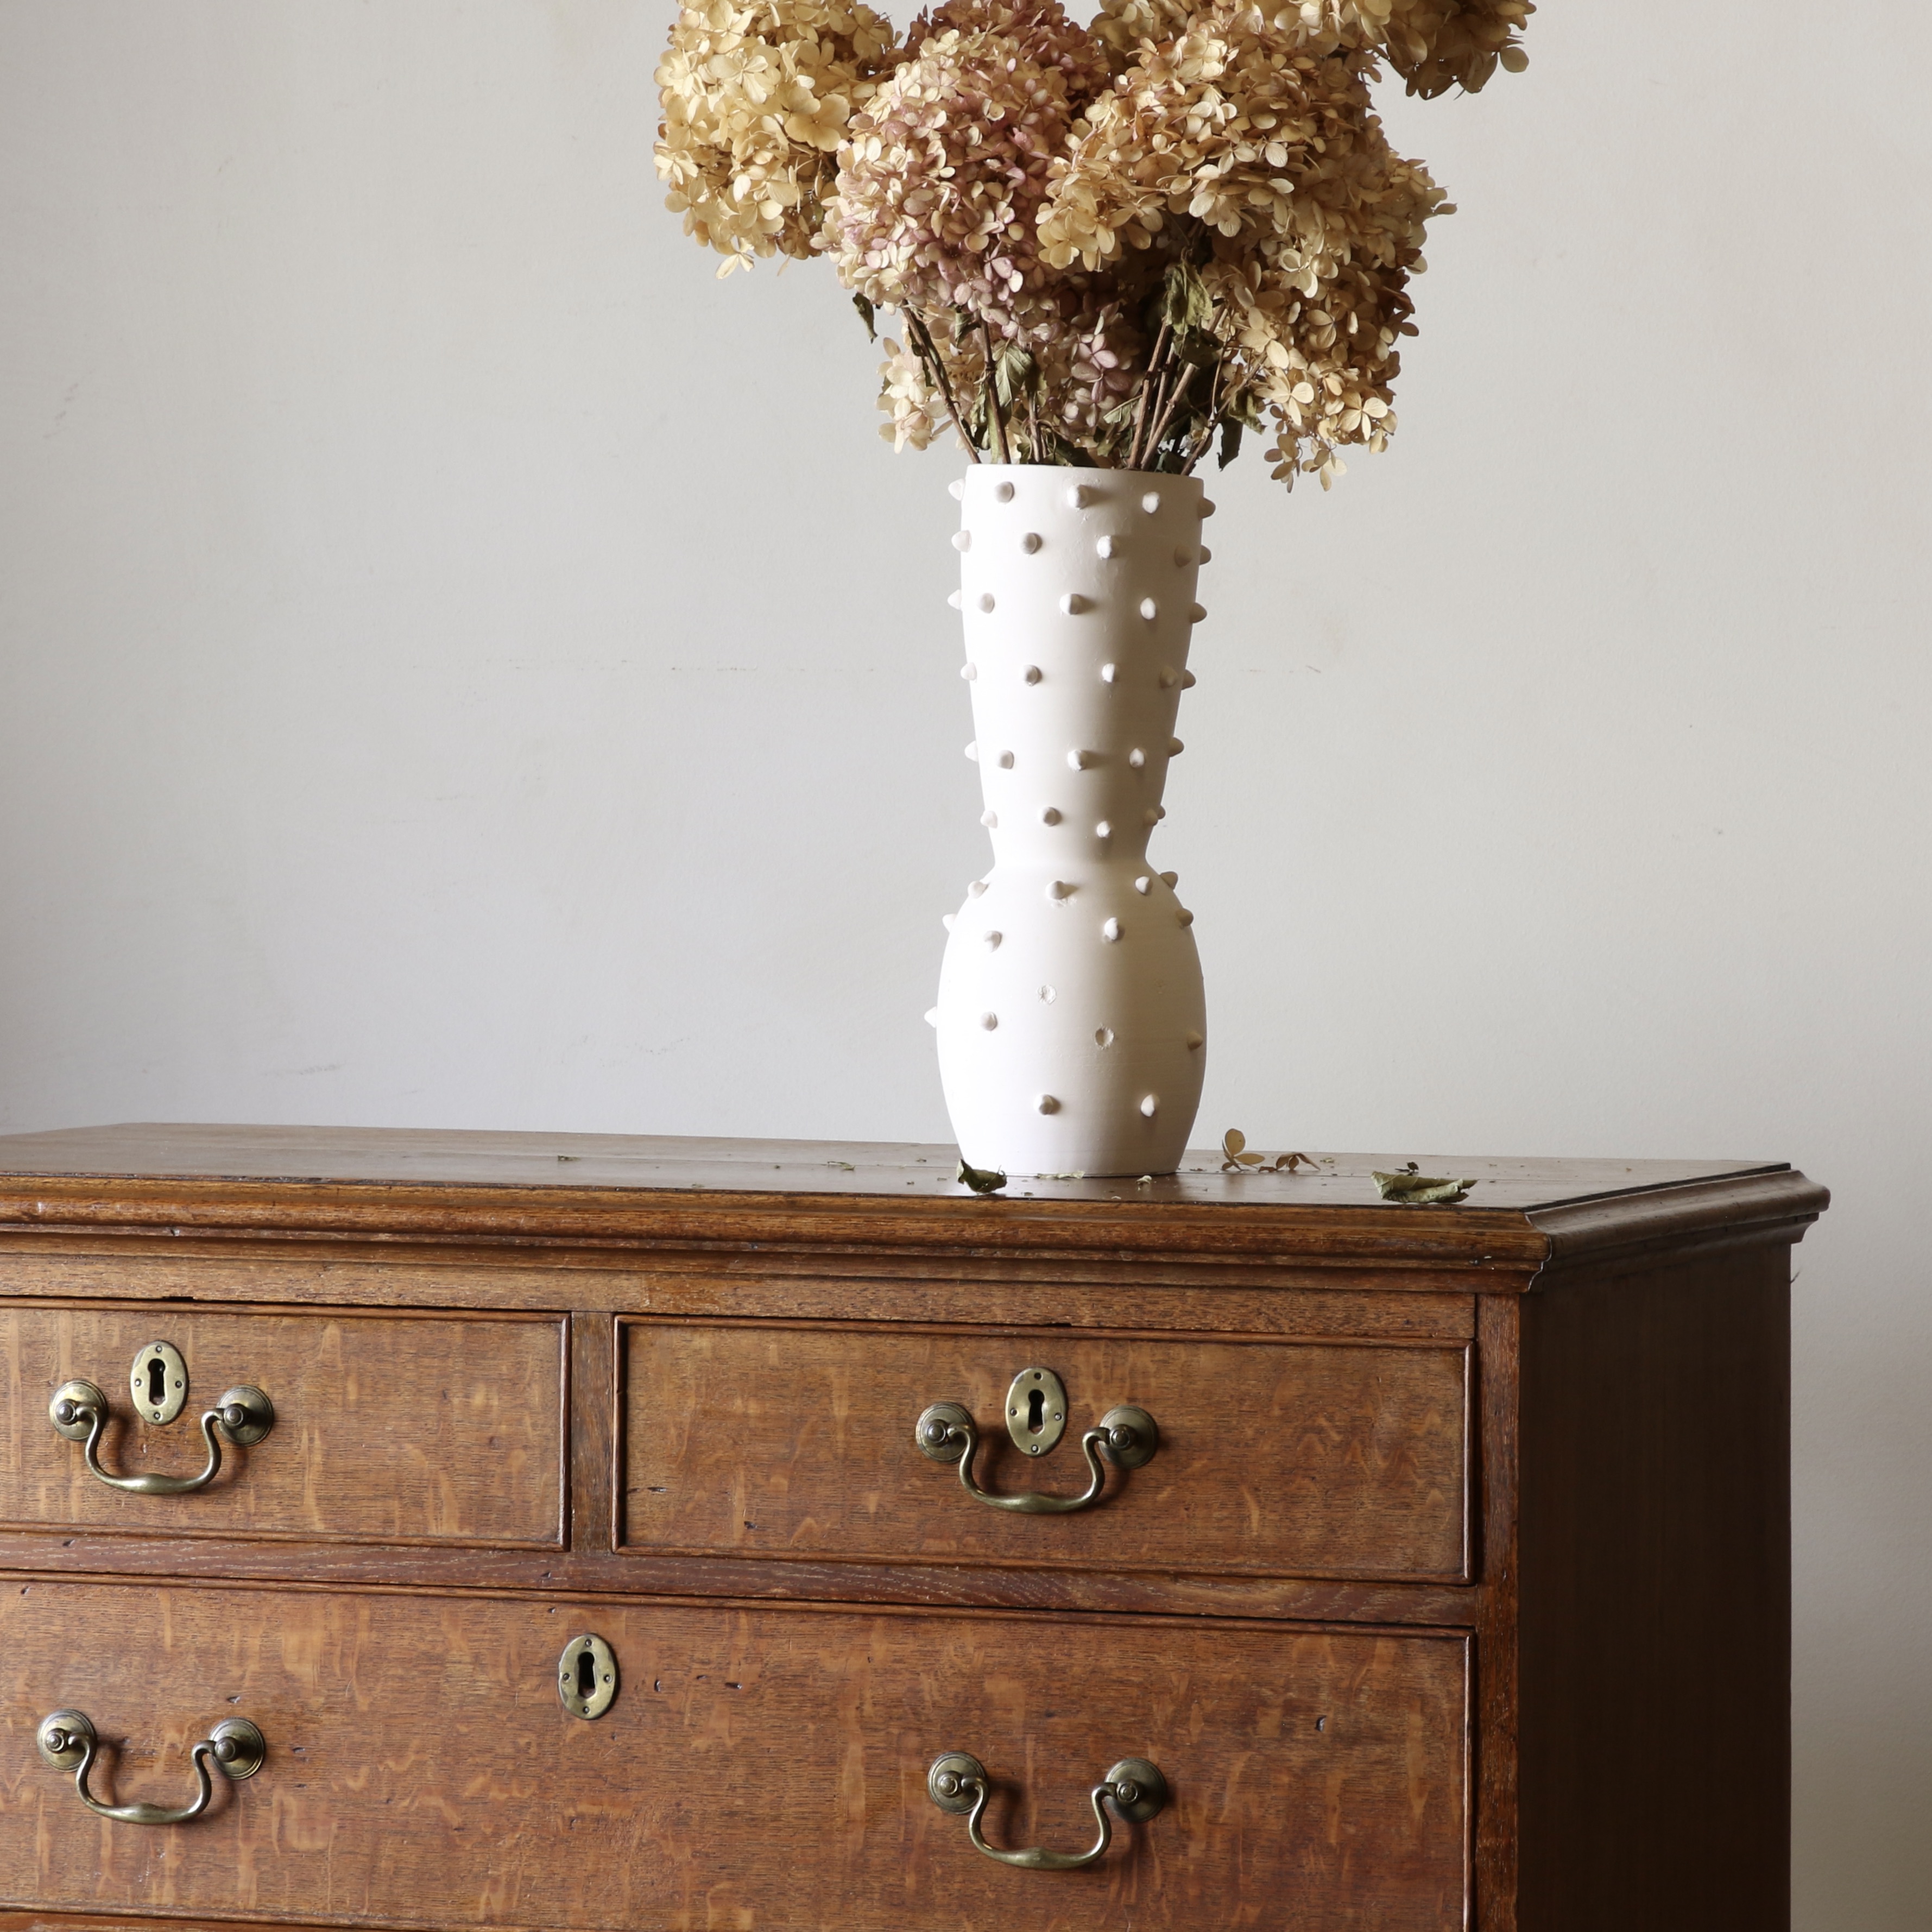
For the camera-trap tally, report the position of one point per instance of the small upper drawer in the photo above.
(386, 1428)
(1270, 1458)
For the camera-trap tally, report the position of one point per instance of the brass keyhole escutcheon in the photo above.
(1036, 1410)
(587, 1677)
(158, 1382)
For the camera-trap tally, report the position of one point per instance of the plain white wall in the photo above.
(463, 665)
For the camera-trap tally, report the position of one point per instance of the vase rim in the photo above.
(1089, 469)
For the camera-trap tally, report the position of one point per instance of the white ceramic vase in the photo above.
(1071, 1019)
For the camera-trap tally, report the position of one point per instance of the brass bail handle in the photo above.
(79, 1412)
(236, 1748)
(1036, 1409)
(957, 1783)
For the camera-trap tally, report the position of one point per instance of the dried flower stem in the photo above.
(1159, 377)
(1173, 403)
(1141, 410)
(999, 422)
(1222, 397)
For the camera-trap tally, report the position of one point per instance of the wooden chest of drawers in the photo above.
(1343, 1567)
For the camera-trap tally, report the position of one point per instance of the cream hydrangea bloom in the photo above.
(1258, 152)
(1434, 45)
(1122, 25)
(756, 100)
(918, 413)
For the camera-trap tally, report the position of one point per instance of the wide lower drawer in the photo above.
(1272, 1458)
(445, 1429)
(762, 1769)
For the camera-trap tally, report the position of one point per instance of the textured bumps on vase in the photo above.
(1074, 1042)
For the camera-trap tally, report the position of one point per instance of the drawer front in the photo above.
(1274, 1458)
(387, 1427)
(760, 1768)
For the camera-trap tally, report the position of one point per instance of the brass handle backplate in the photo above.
(1035, 1417)
(235, 1747)
(79, 1412)
(957, 1783)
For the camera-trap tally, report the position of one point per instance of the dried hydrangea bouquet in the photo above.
(1106, 250)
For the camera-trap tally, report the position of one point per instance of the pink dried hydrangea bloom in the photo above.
(941, 177)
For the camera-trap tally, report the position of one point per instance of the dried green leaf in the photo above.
(1420, 1190)
(1015, 372)
(981, 1180)
(866, 314)
(1185, 303)
(1230, 441)
(1199, 346)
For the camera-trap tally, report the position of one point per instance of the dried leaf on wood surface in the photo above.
(1235, 1159)
(1420, 1190)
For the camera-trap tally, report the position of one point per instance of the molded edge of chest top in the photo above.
(1520, 1216)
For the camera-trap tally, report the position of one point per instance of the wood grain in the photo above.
(1148, 1296)
(574, 1163)
(1582, 1375)
(762, 1769)
(1498, 1692)
(709, 1196)
(634, 1574)
(1655, 1601)
(1274, 1460)
(386, 1427)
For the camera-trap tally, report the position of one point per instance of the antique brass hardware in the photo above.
(957, 1783)
(158, 1382)
(79, 1411)
(1036, 1410)
(587, 1677)
(235, 1747)
(1126, 1436)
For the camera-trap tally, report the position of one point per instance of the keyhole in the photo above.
(1036, 1411)
(157, 1381)
(586, 1674)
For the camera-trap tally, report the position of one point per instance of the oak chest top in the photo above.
(1521, 1216)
